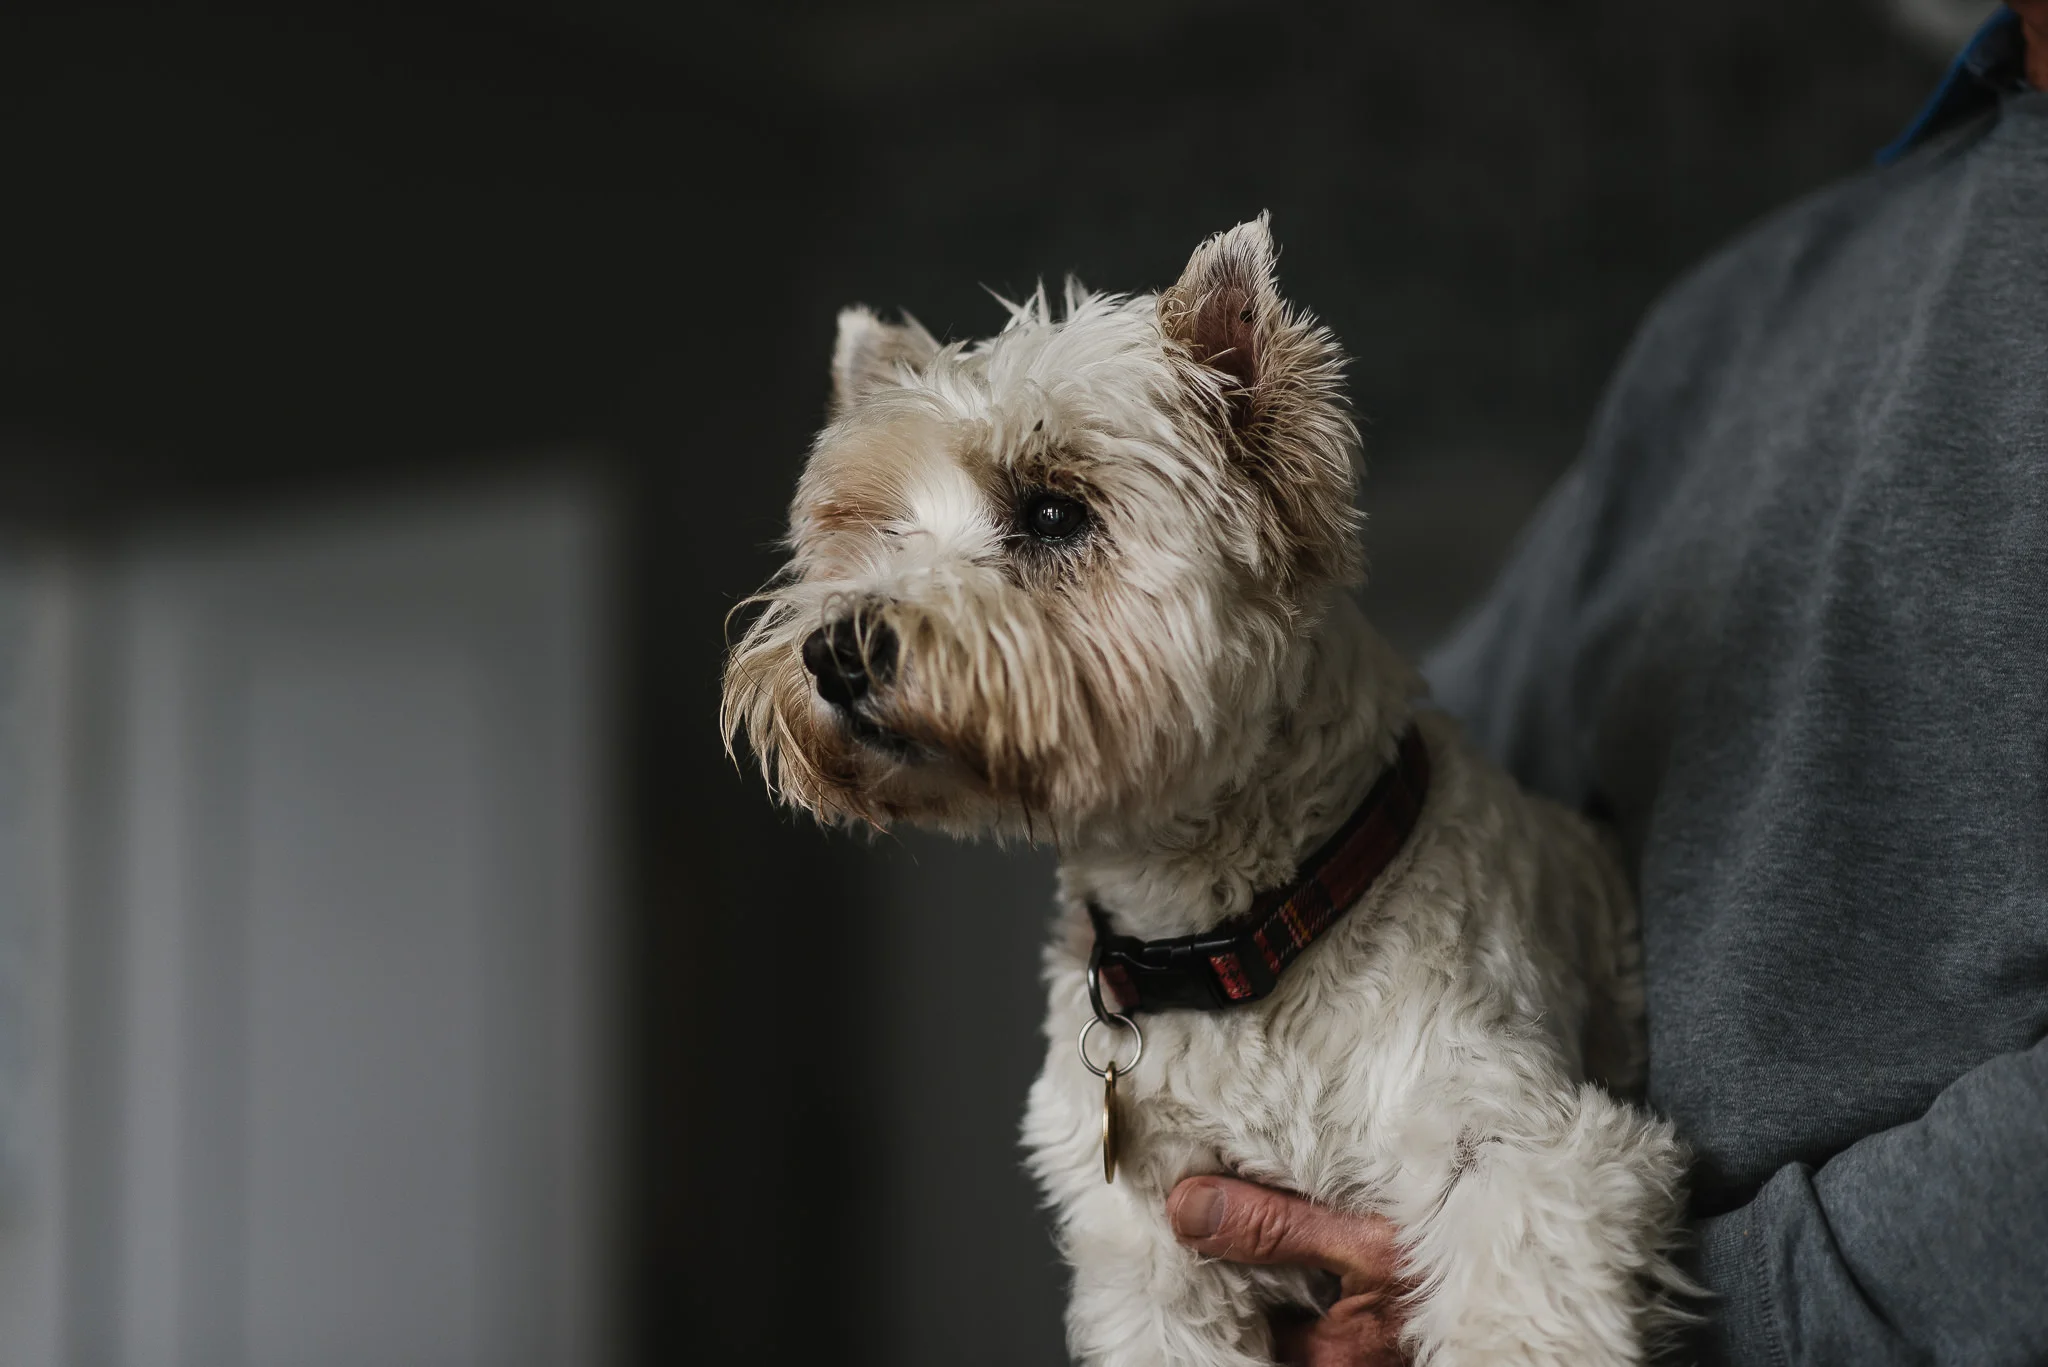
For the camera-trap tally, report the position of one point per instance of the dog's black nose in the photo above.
(846, 655)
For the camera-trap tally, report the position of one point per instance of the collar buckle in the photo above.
(1204, 972)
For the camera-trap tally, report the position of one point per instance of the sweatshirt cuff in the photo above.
(1741, 1328)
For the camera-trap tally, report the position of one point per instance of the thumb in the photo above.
(1242, 1223)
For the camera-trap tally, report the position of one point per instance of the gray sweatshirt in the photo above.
(1786, 623)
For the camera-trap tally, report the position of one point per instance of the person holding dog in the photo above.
(1786, 625)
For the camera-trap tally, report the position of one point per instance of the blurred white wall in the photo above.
(308, 932)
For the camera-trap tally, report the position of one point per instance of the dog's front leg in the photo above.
(1551, 1247)
(1141, 1300)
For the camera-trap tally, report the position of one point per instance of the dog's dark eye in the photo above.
(1053, 517)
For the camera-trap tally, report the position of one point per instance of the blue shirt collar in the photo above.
(1990, 64)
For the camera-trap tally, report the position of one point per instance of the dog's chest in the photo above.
(1247, 1095)
(1306, 1092)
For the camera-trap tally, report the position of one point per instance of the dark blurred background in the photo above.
(393, 401)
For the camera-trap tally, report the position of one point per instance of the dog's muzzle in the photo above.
(849, 656)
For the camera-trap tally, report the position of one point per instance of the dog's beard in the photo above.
(977, 731)
(873, 762)
(832, 762)
(884, 739)
(1021, 712)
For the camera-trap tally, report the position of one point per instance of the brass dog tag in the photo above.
(1112, 1130)
(1112, 1123)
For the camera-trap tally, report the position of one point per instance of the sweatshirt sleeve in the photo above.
(1506, 670)
(1923, 1243)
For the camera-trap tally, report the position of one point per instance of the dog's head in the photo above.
(1062, 574)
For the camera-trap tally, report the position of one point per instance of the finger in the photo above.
(1242, 1223)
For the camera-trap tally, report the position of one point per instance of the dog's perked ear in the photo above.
(1225, 309)
(1275, 381)
(871, 354)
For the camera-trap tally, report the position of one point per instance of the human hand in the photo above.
(1242, 1223)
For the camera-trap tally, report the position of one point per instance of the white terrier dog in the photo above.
(1087, 582)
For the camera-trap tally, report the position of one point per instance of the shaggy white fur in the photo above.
(1177, 690)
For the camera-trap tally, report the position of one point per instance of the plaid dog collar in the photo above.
(1241, 960)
